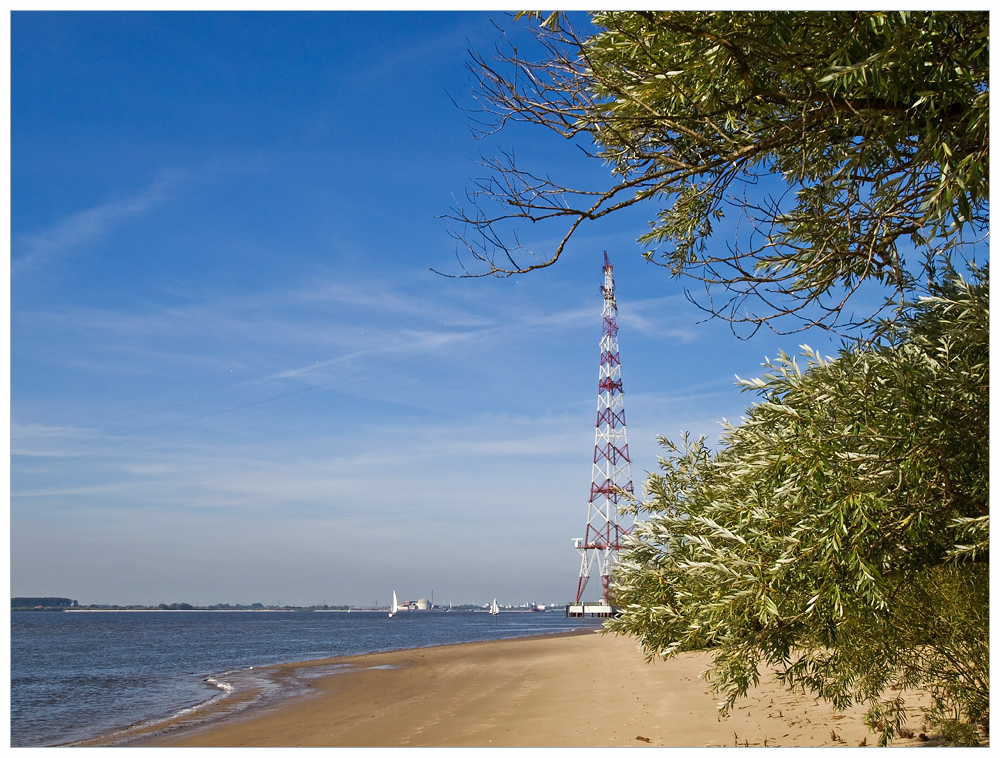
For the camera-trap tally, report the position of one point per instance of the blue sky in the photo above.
(233, 376)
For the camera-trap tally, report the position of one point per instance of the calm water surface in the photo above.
(77, 675)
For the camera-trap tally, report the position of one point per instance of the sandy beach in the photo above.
(578, 690)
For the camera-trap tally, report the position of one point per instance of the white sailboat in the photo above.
(395, 605)
(494, 609)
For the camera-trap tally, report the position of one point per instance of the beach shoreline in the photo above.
(571, 689)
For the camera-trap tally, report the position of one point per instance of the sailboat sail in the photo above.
(494, 609)
(395, 605)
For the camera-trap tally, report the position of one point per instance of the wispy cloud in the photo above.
(47, 441)
(659, 318)
(91, 224)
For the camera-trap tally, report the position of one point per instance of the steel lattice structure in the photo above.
(612, 472)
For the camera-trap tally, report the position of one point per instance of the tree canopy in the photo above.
(875, 126)
(841, 535)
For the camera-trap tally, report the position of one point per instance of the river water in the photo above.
(79, 674)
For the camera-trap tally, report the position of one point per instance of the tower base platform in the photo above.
(597, 610)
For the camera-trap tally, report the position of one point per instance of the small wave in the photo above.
(227, 684)
(221, 684)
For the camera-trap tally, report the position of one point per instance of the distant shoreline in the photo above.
(238, 610)
(205, 610)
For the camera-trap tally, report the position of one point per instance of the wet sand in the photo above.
(581, 690)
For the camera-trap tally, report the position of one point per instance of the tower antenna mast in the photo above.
(612, 472)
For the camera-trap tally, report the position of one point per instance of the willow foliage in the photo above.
(841, 534)
(872, 126)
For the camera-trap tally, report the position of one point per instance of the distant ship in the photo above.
(395, 605)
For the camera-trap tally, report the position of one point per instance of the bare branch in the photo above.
(686, 107)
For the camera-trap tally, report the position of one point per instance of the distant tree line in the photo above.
(42, 602)
(61, 603)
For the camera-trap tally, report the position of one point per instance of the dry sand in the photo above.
(583, 690)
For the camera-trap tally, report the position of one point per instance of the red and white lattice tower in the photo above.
(612, 473)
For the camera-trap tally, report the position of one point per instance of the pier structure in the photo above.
(611, 481)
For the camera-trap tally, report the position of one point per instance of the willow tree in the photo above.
(787, 160)
(845, 147)
(841, 534)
